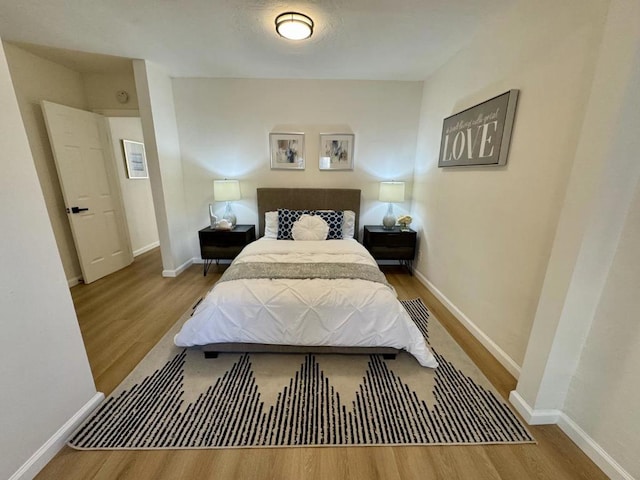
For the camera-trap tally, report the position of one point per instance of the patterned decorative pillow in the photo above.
(310, 227)
(334, 219)
(286, 219)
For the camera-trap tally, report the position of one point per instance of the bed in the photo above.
(311, 296)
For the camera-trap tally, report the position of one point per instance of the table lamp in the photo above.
(227, 191)
(391, 192)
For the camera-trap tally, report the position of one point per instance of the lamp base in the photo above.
(388, 222)
(231, 219)
(229, 215)
(389, 219)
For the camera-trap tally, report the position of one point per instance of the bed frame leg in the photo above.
(210, 354)
(389, 356)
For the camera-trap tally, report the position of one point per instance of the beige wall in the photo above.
(100, 90)
(604, 394)
(579, 365)
(224, 127)
(157, 112)
(45, 375)
(540, 257)
(136, 193)
(88, 91)
(62, 86)
(487, 231)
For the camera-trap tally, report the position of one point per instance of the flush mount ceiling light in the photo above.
(294, 26)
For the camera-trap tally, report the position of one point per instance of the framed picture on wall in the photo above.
(136, 159)
(287, 151)
(336, 151)
(479, 135)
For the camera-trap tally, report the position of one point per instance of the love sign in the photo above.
(479, 135)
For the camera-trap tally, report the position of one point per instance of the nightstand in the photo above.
(224, 244)
(391, 244)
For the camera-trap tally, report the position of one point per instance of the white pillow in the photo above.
(271, 224)
(348, 224)
(310, 227)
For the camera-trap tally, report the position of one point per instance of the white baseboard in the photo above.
(531, 416)
(506, 361)
(72, 282)
(51, 447)
(142, 250)
(584, 442)
(179, 270)
(594, 451)
(536, 417)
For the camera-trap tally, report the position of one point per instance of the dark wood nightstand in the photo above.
(224, 244)
(391, 244)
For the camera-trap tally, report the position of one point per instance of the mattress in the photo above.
(339, 312)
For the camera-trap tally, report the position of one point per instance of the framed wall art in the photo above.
(336, 151)
(136, 159)
(479, 135)
(287, 151)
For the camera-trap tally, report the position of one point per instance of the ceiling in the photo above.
(352, 39)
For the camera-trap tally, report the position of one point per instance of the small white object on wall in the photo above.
(122, 96)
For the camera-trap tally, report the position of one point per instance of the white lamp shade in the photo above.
(226, 190)
(392, 192)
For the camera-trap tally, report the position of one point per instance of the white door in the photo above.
(91, 194)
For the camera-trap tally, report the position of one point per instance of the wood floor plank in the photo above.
(125, 314)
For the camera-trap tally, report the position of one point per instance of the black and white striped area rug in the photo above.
(177, 399)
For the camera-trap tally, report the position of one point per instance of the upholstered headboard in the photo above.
(271, 199)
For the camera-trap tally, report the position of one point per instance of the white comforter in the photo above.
(337, 312)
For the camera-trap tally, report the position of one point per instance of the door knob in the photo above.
(77, 210)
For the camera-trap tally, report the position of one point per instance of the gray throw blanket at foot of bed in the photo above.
(252, 270)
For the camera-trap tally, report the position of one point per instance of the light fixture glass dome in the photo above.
(294, 26)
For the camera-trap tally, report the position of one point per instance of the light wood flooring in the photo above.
(124, 315)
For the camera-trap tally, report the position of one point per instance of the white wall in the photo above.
(87, 91)
(224, 127)
(584, 342)
(604, 394)
(136, 193)
(598, 195)
(62, 86)
(100, 90)
(542, 254)
(488, 231)
(162, 146)
(44, 372)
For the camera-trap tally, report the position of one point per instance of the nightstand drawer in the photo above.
(390, 252)
(394, 244)
(221, 252)
(238, 236)
(224, 244)
(392, 239)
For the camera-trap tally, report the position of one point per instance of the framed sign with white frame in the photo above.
(287, 151)
(336, 151)
(136, 159)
